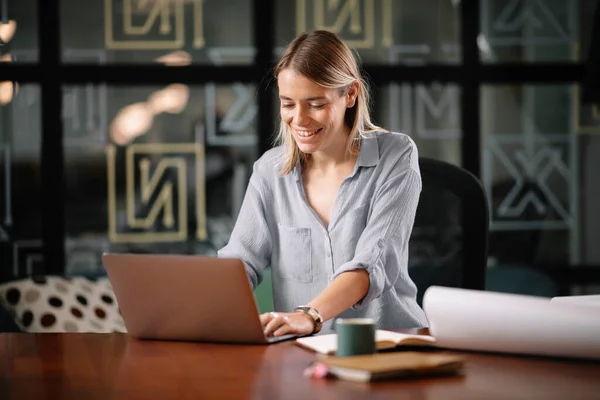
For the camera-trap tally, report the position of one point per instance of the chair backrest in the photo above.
(449, 242)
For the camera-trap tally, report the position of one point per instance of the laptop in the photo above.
(186, 298)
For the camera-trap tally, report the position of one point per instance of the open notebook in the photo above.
(327, 344)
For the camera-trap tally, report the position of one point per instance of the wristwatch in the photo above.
(314, 314)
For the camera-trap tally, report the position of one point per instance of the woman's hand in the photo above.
(278, 324)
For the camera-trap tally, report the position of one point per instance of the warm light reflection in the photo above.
(7, 91)
(136, 119)
(171, 99)
(176, 59)
(7, 31)
(131, 122)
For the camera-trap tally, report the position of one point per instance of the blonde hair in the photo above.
(324, 58)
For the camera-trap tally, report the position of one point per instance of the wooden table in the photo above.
(114, 366)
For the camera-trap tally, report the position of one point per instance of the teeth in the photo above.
(307, 133)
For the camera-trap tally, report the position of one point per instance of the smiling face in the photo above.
(314, 114)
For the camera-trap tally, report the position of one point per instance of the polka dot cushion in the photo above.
(57, 304)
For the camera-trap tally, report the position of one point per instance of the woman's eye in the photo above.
(287, 105)
(318, 106)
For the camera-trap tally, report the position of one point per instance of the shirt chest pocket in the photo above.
(295, 254)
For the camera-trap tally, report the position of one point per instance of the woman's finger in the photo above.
(273, 324)
(266, 317)
(284, 329)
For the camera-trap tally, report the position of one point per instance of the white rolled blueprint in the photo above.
(509, 323)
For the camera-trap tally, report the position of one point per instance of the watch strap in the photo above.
(314, 314)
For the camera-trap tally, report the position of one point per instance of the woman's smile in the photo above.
(304, 134)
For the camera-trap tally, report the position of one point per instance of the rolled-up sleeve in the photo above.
(250, 238)
(382, 249)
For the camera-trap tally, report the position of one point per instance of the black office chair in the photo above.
(449, 242)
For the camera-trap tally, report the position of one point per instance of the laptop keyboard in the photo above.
(273, 339)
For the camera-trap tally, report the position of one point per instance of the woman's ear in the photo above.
(352, 94)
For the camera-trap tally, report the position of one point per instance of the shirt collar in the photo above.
(368, 155)
(369, 152)
(298, 171)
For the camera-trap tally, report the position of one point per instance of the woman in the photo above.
(331, 209)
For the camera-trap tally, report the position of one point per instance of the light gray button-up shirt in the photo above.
(370, 227)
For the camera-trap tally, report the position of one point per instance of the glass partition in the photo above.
(20, 185)
(381, 31)
(171, 31)
(159, 169)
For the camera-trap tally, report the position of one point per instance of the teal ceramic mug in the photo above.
(355, 336)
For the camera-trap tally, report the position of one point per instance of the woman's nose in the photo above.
(300, 116)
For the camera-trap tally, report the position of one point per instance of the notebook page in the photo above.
(396, 337)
